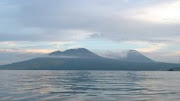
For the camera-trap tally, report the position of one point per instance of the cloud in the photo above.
(54, 20)
(149, 46)
(27, 50)
(11, 57)
(163, 56)
(35, 47)
(167, 12)
(152, 48)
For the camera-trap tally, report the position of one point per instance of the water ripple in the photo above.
(89, 86)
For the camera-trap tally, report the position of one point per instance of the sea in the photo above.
(77, 85)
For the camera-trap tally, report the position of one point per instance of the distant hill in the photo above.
(84, 64)
(86, 60)
(135, 56)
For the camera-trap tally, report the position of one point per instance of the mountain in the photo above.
(135, 56)
(50, 63)
(175, 68)
(79, 52)
(56, 53)
(86, 60)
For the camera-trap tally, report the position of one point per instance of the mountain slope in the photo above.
(84, 64)
(135, 56)
(79, 52)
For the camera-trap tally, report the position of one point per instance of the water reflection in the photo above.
(88, 86)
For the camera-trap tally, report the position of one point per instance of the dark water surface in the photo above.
(89, 86)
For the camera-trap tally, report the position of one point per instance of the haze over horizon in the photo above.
(31, 28)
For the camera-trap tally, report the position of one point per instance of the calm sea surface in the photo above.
(89, 86)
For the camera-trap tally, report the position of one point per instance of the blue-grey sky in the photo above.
(41, 26)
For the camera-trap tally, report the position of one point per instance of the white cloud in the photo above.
(27, 50)
(159, 13)
(175, 53)
(152, 48)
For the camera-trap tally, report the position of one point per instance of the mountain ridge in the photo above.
(78, 52)
(95, 62)
(135, 56)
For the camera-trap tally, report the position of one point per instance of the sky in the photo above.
(31, 27)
